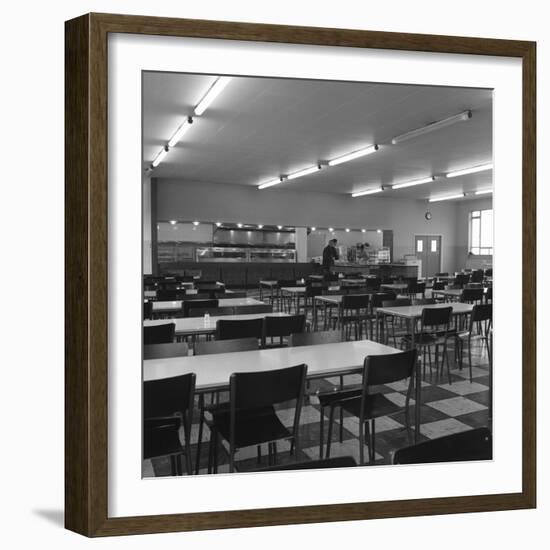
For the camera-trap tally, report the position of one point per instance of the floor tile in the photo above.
(456, 406)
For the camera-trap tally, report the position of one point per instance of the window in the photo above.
(481, 232)
(434, 245)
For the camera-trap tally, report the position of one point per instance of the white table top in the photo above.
(196, 325)
(214, 371)
(452, 292)
(395, 286)
(265, 282)
(222, 302)
(188, 292)
(413, 312)
(294, 289)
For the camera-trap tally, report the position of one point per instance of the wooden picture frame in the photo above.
(86, 421)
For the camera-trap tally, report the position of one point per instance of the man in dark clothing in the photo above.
(330, 253)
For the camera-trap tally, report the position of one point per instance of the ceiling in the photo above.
(259, 128)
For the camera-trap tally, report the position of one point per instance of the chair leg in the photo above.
(371, 445)
(321, 432)
(341, 413)
(470, 359)
(361, 443)
(201, 427)
(259, 459)
(367, 436)
(329, 434)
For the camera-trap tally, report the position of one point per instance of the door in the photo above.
(428, 250)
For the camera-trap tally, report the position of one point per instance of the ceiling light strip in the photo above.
(465, 115)
(414, 182)
(472, 170)
(367, 192)
(214, 91)
(447, 198)
(354, 155)
(483, 191)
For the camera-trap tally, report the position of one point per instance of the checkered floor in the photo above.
(447, 409)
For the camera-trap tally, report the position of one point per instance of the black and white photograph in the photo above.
(317, 274)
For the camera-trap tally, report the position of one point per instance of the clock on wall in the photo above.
(428, 215)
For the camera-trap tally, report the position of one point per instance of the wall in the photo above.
(462, 232)
(147, 235)
(237, 203)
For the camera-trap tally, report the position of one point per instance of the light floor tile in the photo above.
(440, 428)
(456, 406)
(464, 387)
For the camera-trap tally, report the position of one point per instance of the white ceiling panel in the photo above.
(258, 128)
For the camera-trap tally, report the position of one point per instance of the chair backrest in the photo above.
(283, 326)
(148, 309)
(169, 295)
(414, 287)
(196, 304)
(438, 285)
(461, 279)
(473, 444)
(159, 334)
(255, 390)
(195, 296)
(315, 288)
(379, 298)
(423, 302)
(229, 329)
(236, 295)
(286, 282)
(225, 346)
(388, 368)
(470, 295)
(212, 311)
(489, 272)
(436, 317)
(162, 351)
(373, 283)
(477, 276)
(355, 301)
(442, 274)
(489, 294)
(315, 338)
(255, 308)
(168, 396)
(398, 302)
(481, 312)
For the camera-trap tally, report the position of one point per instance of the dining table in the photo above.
(170, 306)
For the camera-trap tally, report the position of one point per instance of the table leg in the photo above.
(314, 314)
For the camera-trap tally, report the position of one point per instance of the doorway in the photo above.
(428, 250)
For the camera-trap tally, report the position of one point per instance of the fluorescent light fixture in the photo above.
(313, 228)
(379, 231)
(484, 191)
(218, 224)
(216, 88)
(160, 157)
(195, 223)
(331, 229)
(466, 115)
(239, 225)
(183, 127)
(447, 198)
(271, 183)
(347, 229)
(414, 182)
(363, 230)
(173, 222)
(367, 192)
(279, 227)
(260, 226)
(352, 156)
(473, 170)
(304, 172)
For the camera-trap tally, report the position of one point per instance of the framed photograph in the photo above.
(300, 275)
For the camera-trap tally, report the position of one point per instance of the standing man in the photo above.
(330, 253)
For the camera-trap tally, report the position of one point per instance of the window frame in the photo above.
(482, 250)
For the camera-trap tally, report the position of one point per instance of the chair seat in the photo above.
(376, 405)
(252, 427)
(327, 398)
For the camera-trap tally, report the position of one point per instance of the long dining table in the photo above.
(175, 305)
(323, 360)
(194, 326)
